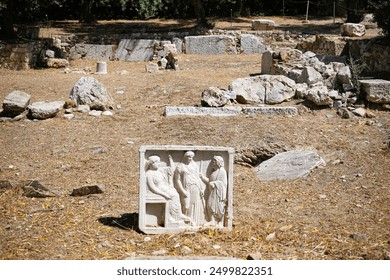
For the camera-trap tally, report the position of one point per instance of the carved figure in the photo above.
(191, 189)
(159, 181)
(217, 192)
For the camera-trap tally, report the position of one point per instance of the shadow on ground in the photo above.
(127, 221)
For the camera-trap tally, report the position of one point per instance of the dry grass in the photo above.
(341, 211)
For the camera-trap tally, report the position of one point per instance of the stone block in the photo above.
(45, 110)
(185, 188)
(251, 44)
(202, 111)
(135, 50)
(263, 24)
(93, 52)
(352, 29)
(376, 90)
(211, 44)
(270, 111)
(15, 103)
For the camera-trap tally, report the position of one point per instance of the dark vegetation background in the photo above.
(88, 11)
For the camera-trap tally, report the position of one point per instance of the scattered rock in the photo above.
(45, 110)
(152, 67)
(344, 113)
(186, 250)
(33, 188)
(87, 190)
(15, 103)
(5, 184)
(160, 252)
(319, 95)
(254, 256)
(270, 236)
(95, 113)
(359, 237)
(57, 63)
(214, 97)
(359, 112)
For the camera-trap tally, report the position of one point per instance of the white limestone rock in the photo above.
(89, 91)
(45, 110)
(289, 165)
(352, 29)
(15, 103)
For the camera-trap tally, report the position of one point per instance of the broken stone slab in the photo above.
(263, 24)
(88, 190)
(215, 97)
(15, 103)
(89, 91)
(376, 90)
(202, 111)
(289, 165)
(251, 44)
(93, 52)
(210, 44)
(135, 50)
(263, 89)
(352, 29)
(169, 173)
(44, 110)
(271, 111)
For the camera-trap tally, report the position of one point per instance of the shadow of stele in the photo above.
(127, 221)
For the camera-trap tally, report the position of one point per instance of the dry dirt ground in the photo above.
(340, 211)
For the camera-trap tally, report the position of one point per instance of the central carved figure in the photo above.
(191, 190)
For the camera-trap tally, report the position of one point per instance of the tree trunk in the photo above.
(86, 15)
(7, 31)
(199, 13)
(354, 15)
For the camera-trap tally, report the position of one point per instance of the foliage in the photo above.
(381, 10)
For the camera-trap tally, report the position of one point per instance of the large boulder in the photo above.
(89, 91)
(263, 89)
(289, 165)
(15, 103)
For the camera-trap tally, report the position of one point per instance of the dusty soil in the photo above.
(340, 211)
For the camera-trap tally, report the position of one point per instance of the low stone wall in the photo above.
(20, 56)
